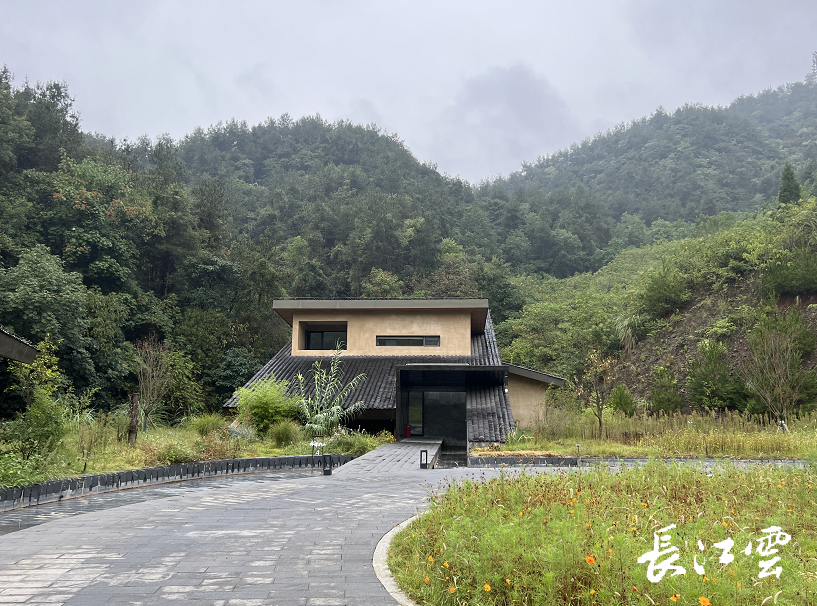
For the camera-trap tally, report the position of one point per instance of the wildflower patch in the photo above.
(656, 534)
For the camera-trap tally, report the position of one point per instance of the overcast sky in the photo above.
(476, 87)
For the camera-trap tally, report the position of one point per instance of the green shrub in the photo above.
(621, 399)
(175, 453)
(665, 396)
(795, 276)
(206, 424)
(17, 471)
(286, 432)
(265, 403)
(357, 442)
(38, 430)
(663, 292)
(709, 382)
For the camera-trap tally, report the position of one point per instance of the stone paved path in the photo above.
(306, 541)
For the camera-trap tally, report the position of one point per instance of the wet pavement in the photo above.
(18, 519)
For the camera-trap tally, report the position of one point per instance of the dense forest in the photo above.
(105, 242)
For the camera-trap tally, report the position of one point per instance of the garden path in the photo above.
(306, 541)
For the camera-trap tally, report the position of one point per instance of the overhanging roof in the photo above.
(478, 308)
(536, 375)
(15, 348)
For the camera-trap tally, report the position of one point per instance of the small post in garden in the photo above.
(327, 464)
(133, 409)
(423, 459)
(578, 454)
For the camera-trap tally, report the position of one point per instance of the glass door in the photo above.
(415, 412)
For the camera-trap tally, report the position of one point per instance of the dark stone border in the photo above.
(71, 488)
(479, 461)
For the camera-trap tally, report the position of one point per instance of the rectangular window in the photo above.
(408, 341)
(325, 339)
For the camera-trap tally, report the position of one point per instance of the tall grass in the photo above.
(707, 433)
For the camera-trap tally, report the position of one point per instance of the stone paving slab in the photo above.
(306, 541)
(397, 458)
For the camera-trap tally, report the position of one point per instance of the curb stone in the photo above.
(381, 567)
(72, 488)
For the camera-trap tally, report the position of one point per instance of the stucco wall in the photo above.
(525, 395)
(362, 329)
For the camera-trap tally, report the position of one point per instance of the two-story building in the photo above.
(432, 366)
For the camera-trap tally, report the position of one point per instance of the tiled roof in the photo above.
(489, 415)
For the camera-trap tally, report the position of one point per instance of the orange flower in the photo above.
(704, 601)
(592, 591)
(675, 597)
(452, 589)
(487, 587)
(445, 564)
(430, 558)
(508, 581)
(590, 560)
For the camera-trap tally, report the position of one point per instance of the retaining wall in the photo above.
(59, 490)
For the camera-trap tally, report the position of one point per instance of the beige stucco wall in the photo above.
(525, 395)
(363, 328)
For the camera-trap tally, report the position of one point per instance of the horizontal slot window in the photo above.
(408, 341)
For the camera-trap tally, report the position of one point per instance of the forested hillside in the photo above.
(104, 243)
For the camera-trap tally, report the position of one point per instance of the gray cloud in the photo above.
(500, 119)
(435, 73)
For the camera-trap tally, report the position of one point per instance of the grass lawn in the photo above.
(575, 538)
(105, 451)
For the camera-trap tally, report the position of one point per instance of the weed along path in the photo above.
(306, 541)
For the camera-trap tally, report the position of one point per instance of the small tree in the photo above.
(772, 373)
(665, 395)
(43, 374)
(789, 187)
(596, 384)
(153, 372)
(324, 411)
(709, 382)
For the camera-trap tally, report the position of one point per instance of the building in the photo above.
(432, 366)
(15, 348)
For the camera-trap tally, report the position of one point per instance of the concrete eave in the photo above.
(478, 308)
(536, 375)
(14, 348)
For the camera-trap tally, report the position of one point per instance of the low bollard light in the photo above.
(423, 459)
(327, 465)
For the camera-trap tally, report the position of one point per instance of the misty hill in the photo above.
(698, 160)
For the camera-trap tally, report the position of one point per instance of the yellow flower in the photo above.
(592, 591)
(445, 564)
(724, 523)
(704, 601)
(487, 587)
